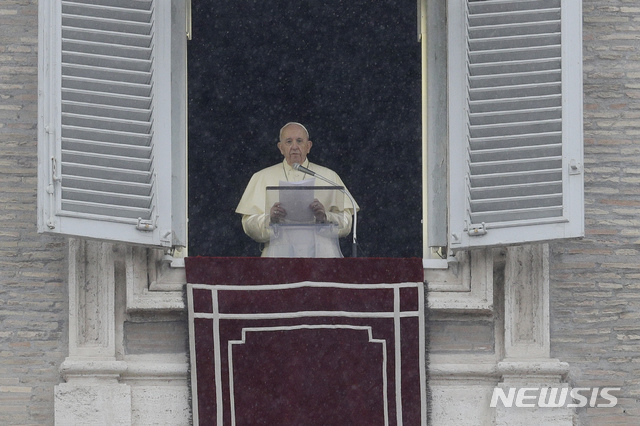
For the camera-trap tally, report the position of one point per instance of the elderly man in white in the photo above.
(294, 144)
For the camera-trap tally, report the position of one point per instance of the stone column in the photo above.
(92, 393)
(526, 359)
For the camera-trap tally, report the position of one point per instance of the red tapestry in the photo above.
(307, 341)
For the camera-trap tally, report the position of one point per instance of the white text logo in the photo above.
(548, 397)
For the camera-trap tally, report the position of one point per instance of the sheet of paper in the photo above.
(296, 199)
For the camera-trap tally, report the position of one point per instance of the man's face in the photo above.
(294, 144)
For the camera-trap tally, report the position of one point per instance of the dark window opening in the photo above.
(348, 70)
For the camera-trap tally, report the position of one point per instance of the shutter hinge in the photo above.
(54, 170)
(477, 230)
(51, 190)
(145, 225)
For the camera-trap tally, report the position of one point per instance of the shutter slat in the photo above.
(517, 54)
(120, 150)
(505, 116)
(512, 129)
(496, 6)
(515, 104)
(484, 20)
(105, 25)
(115, 38)
(538, 188)
(515, 42)
(107, 198)
(109, 173)
(536, 151)
(129, 4)
(123, 87)
(517, 214)
(111, 161)
(100, 135)
(515, 178)
(107, 185)
(106, 123)
(105, 11)
(106, 74)
(528, 65)
(101, 98)
(510, 166)
(105, 49)
(98, 61)
(513, 79)
(519, 29)
(511, 92)
(106, 111)
(517, 203)
(128, 26)
(502, 142)
(105, 210)
(497, 13)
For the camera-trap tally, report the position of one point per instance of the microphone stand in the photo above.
(354, 245)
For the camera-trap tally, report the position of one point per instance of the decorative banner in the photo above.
(266, 350)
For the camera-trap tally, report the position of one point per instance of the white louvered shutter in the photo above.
(515, 121)
(106, 125)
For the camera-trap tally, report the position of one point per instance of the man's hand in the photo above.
(277, 213)
(318, 211)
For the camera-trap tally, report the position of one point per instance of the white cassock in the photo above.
(255, 215)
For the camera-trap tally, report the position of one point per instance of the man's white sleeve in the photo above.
(343, 219)
(256, 226)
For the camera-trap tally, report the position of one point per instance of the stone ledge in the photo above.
(463, 373)
(533, 370)
(75, 368)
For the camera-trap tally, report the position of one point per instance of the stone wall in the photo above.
(33, 268)
(595, 282)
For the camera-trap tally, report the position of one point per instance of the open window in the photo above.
(113, 113)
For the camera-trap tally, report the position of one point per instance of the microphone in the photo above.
(303, 169)
(354, 246)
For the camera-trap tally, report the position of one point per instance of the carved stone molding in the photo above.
(152, 284)
(527, 361)
(102, 385)
(466, 286)
(92, 393)
(91, 299)
(527, 302)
